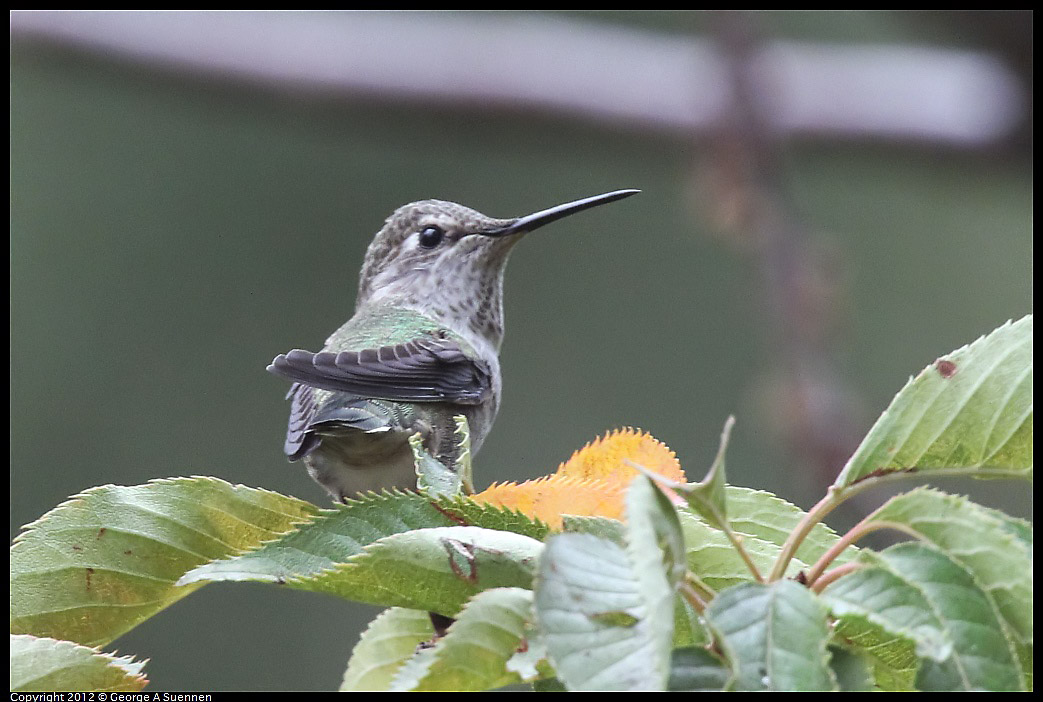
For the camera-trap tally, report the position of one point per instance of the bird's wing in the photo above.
(421, 370)
(314, 414)
(299, 441)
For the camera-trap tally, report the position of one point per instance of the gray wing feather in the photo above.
(422, 370)
(311, 418)
(299, 440)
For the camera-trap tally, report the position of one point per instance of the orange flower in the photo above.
(591, 483)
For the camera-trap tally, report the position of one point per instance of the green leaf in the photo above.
(983, 656)
(548, 685)
(770, 519)
(656, 551)
(895, 604)
(654, 540)
(688, 628)
(763, 521)
(107, 559)
(593, 616)
(891, 656)
(775, 636)
(991, 548)
(711, 556)
(435, 569)
(474, 653)
(888, 619)
(694, 669)
(969, 412)
(605, 527)
(1018, 528)
(337, 534)
(987, 543)
(850, 670)
(50, 665)
(390, 640)
(437, 479)
(463, 458)
(433, 477)
(466, 512)
(709, 498)
(332, 536)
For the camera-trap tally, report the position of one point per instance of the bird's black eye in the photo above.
(430, 237)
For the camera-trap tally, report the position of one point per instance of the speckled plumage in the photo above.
(422, 346)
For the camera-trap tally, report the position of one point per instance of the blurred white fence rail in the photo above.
(531, 61)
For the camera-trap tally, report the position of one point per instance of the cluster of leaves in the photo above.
(646, 582)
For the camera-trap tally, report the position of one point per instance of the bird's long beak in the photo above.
(538, 219)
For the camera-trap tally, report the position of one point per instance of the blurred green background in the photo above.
(170, 234)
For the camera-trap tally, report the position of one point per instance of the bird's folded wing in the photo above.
(311, 417)
(299, 441)
(421, 370)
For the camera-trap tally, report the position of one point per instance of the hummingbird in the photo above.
(422, 348)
